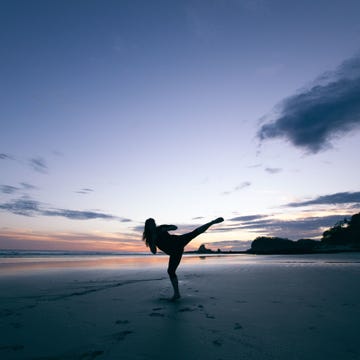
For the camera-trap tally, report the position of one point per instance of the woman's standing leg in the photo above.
(174, 262)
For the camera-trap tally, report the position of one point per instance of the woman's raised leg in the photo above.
(186, 238)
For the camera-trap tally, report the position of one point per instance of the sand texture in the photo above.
(232, 308)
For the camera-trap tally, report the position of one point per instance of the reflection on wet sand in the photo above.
(24, 265)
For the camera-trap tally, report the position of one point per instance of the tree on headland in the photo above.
(345, 232)
(343, 236)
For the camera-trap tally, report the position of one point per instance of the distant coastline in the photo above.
(320, 250)
(344, 236)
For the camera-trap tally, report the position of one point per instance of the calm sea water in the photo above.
(27, 262)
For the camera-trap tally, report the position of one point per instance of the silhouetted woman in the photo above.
(172, 245)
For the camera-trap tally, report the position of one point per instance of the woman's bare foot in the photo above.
(175, 297)
(218, 220)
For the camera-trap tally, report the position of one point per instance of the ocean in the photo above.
(30, 261)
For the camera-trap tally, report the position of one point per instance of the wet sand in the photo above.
(236, 307)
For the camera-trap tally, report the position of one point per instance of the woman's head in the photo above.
(149, 232)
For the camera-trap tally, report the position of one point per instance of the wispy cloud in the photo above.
(24, 207)
(234, 245)
(8, 189)
(4, 156)
(28, 207)
(237, 188)
(27, 186)
(272, 171)
(331, 199)
(248, 217)
(77, 215)
(39, 164)
(84, 191)
(294, 229)
(254, 166)
(330, 107)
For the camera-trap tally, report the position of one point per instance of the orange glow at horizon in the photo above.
(29, 240)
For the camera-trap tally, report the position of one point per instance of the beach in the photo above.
(232, 307)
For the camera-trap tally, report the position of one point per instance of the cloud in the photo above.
(8, 189)
(248, 217)
(254, 166)
(24, 207)
(337, 198)
(5, 157)
(124, 220)
(27, 186)
(273, 170)
(84, 191)
(230, 245)
(294, 229)
(77, 215)
(27, 207)
(138, 228)
(329, 108)
(237, 188)
(39, 164)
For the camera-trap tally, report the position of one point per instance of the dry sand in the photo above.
(241, 307)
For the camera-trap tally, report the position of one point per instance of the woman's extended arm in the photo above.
(166, 227)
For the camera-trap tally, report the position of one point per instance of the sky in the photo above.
(116, 111)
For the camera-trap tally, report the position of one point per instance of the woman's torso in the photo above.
(166, 242)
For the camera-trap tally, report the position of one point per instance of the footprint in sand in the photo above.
(187, 309)
(120, 336)
(155, 314)
(217, 342)
(237, 326)
(209, 316)
(91, 355)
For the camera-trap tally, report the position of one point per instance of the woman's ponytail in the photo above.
(149, 234)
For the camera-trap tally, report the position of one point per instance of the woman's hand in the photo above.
(171, 227)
